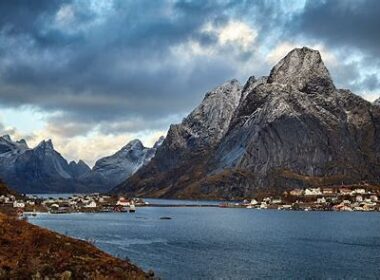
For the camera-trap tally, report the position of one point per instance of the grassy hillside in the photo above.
(30, 252)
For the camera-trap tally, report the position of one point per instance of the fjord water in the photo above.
(217, 243)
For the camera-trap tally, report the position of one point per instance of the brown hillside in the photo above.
(30, 252)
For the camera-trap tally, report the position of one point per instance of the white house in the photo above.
(359, 198)
(18, 204)
(358, 191)
(296, 192)
(313, 191)
(254, 202)
(277, 201)
(123, 202)
(321, 200)
(30, 202)
(92, 204)
(346, 202)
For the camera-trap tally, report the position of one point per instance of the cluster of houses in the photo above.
(328, 199)
(11, 201)
(75, 203)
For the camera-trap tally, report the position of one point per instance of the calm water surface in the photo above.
(217, 243)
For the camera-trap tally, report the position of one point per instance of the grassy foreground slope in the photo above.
(30, 252)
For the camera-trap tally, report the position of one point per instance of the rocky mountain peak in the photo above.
(209, 121)
(135, 144)
(79, 168)
(377, 102)
(22, 143)
(229, 87)
(81, 162)
(303, 69)
(159, 142)
(45, 145)
(6, 137)
(7, 145)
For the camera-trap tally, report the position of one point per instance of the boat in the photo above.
(132, 208)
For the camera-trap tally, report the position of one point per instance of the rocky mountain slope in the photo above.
(113, 170)
(78, 169)
(377, 102)
(188, 143)
(292, 128)
(43, 170)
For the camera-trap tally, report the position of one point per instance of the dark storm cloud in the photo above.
(101, 61)
(343, 23)
(109, 64)
(349, 28)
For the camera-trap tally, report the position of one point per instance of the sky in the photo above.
(93, 75)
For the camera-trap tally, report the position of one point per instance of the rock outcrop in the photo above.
(376, 102)
(293, 128)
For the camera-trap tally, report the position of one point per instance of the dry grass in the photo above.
(30, 252)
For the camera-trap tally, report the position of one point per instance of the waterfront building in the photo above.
(313, 192)
(296, 192)
(92, 204)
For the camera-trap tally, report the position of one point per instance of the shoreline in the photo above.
(29, 213)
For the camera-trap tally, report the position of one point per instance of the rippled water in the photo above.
(217, 243)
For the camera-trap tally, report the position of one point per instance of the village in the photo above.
(345, 198)
(74, 203)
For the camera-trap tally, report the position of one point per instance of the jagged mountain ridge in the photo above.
(293, 128)
(43, 170)
(112, 170)
(202, 128)
(191, 140)
(377, 102)
(78, 169)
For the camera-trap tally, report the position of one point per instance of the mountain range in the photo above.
(293, 128)
(43, 170)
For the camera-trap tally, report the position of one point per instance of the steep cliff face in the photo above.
(293, 128)
(189, 142)
(202, 129)
(377, 102)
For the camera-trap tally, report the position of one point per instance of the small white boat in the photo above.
(132, 208)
